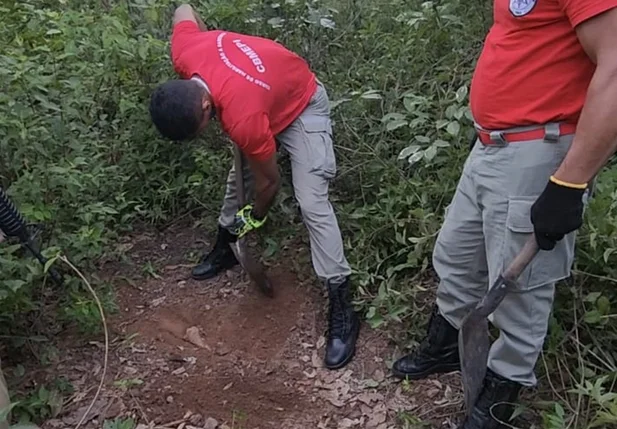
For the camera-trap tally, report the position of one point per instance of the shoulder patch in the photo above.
(520, 8)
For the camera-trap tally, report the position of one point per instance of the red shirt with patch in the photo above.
(258, 86)
(533, 69)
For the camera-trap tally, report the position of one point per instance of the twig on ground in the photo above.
(105, 331)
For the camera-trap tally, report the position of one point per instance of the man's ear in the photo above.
(206, 103)
(207, 107)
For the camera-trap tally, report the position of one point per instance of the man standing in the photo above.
(544, 98)
(262, 94)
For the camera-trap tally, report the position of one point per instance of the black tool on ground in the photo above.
(13, 224)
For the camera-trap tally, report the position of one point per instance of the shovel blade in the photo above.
(473, 340)
(473, 346)
(254, 269)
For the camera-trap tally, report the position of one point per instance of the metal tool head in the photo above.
(473, 346)
(473, 340)
(254, 269)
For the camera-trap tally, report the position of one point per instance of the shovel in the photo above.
(473, 340)
(254, 269)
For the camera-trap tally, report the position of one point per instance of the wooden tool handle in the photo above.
(520, 262)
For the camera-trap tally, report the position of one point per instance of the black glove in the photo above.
(557, 212)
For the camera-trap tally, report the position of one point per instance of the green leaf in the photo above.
(592, 297)
(430, 153)
(441, 123)
(453, 128)
(451, 111)
(441, 143)
(408, 151)
(14, 285)
(415, 157)
(397, 123)
(393, 116)
(371, 312)
(327, 23)
(372, 94)
(604, 305)
(409, 104)
(461, 93)
(593, 317)
(49, 263)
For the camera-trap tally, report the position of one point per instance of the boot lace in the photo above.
(337, 323)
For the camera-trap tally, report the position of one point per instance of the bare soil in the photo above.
(249, 361)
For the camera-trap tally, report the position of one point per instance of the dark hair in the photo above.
(175, 108)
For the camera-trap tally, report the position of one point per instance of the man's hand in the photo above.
(1, 236)
(185, 12)
(246, 221)
(557, 212)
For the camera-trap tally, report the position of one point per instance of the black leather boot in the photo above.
(343, 327)
(436, 354)
(495, 404)
(219, 259)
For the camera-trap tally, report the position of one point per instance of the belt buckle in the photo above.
(498, 139)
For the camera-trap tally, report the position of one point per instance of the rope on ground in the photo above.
(106, 332)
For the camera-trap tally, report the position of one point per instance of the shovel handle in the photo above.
(238, 167)
(524, 257)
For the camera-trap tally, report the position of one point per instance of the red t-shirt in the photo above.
(533, 69)
(258, 86)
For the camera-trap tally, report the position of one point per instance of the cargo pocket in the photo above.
(318, 134)
(547, 266)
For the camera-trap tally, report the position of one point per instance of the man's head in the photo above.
(180, 109)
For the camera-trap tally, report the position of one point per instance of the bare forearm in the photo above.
(264, 198)
(596, 135)
(200, 23)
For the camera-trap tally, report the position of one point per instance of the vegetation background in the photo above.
(78, 154)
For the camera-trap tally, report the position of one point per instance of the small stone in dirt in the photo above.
(169, 399)
(316, 362)
(310, 374)
(379, 375)
(305, 358)
(179, 371)
(369, 383)
(321, 341)
(222, 350)
(211, 423)
(158, 301)
(193, 336)
(227, 387)
(130, 370)
(348, 423)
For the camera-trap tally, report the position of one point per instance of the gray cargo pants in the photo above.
(308, 140)
(485, 226)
